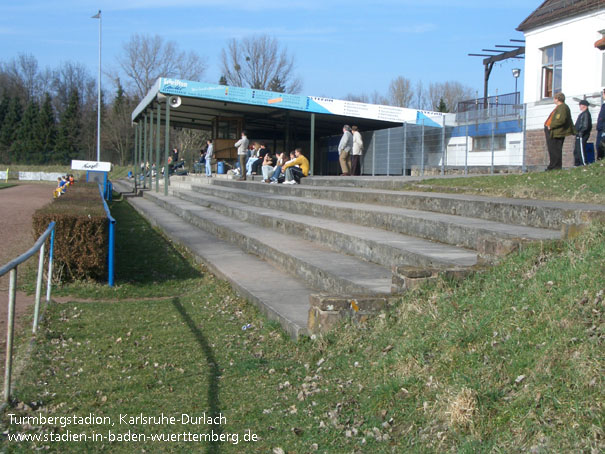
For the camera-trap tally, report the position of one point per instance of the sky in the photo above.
(340, 47)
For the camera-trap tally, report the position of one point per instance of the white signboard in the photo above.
(91, 165)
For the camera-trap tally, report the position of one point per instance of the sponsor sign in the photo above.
(311, 104)
(91, 165)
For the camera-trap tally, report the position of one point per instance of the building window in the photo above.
(552, 58)
(484, 143)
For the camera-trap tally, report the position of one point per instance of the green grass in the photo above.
(510, 360)
(5, 185)
(580, 184)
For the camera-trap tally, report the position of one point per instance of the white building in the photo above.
(560, 56)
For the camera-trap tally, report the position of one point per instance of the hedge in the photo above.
(81, 233)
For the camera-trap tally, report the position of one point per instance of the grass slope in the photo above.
(580, 184)
(510, 360)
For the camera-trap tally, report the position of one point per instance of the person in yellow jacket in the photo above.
(558, 125)
(296, 168)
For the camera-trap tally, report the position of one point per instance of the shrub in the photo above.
(81, 233)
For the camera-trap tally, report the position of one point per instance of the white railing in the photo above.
(11, 268)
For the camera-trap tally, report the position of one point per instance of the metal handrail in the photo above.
(111, 252)
(11, 267)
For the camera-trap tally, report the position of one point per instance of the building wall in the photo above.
(582, 62)
(583, 72)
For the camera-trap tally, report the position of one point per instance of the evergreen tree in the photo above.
(4, 107)
(10, 125)
(46, 130)
(442, 106)
(66, 146)
(3, 111)
(23, 147)
(222, 80)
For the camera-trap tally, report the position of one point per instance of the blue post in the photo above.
(50, 263)
(110, 270)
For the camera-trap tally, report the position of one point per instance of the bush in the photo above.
(81, 233)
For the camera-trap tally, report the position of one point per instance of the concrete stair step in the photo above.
(375, 245)
(278, 295)
(318, 266)
(470, 233)
(531, 213)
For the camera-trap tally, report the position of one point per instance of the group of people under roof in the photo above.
(274, 167)
(279, 167)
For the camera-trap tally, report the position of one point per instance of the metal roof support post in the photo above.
(312, 146)
(166, 147)
(405, 145)
(388, 152)
(139, 148)
(443, 148)
(157, 146)
(134, 155)
(523, 163)
(422, 150)
(150, 149)
(493, 133)
(145, 157)
(466, 147)
(374, 153)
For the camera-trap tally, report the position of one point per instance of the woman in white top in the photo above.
(357, 152)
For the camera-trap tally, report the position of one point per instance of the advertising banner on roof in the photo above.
(311, 104)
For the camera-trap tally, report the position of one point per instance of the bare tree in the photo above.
(451, 93)
(400, 92)
(419, 98)
(146, 58)
(259, 62)
(22, 77)
(373, 98)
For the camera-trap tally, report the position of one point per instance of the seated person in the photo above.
(268, 165)
(201, 162)
(280, 160)
(60, 188)
(262, 152)
(253, 158)
(296, 168)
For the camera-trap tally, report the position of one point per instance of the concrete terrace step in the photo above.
(449, 229)
(531, 213)
(321, 268)
(375, 245)
(253, 278)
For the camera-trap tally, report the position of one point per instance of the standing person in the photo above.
(296, 168)
(209, 154)
(357, 152)
(344, 150)
(175, 155)
(599, 153)
(583, 128)
(557, 126)
(242, 150)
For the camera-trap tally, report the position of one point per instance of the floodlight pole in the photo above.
(98, 16)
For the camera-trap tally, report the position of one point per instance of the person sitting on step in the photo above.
(296, 168)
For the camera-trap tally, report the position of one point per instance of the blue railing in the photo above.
(11, 267)
(111, 246)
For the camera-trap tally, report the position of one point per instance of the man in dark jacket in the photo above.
(583, 128)
(600, 129)
(557, 126)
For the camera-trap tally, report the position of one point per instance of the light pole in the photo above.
(516, 74)
(98, 16)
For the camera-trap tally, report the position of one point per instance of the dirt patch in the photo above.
(17, 206)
